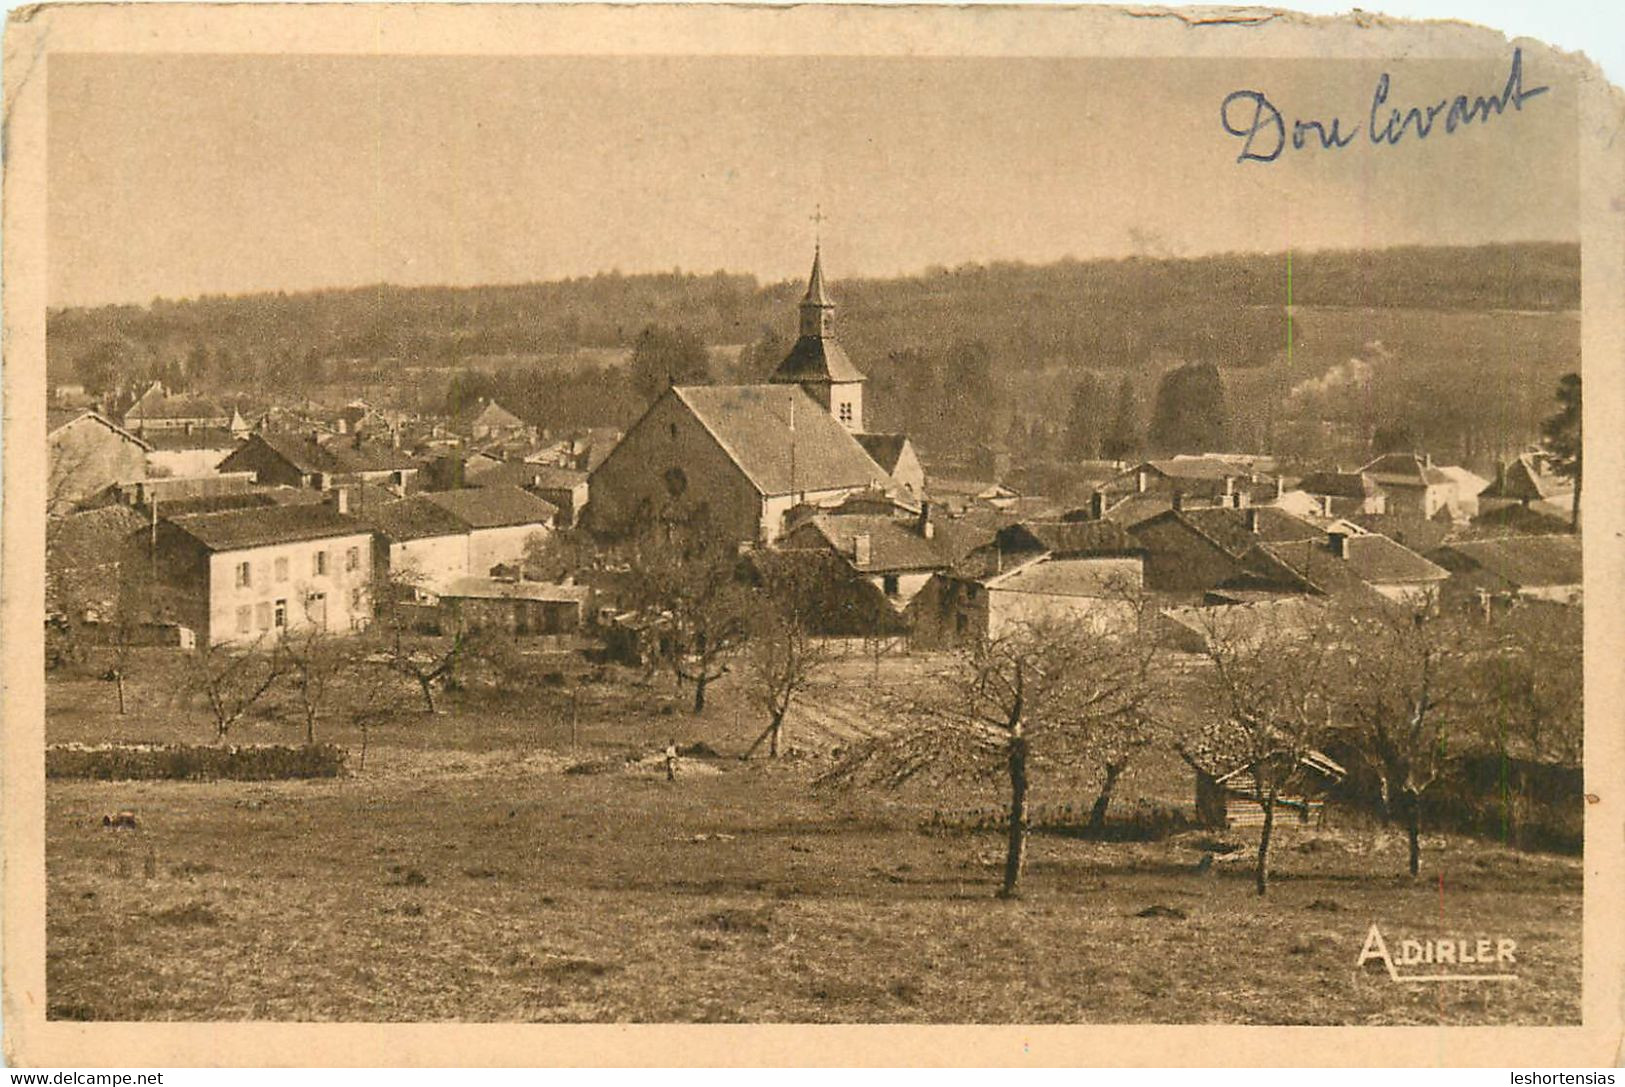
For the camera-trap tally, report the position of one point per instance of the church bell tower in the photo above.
(817, 362)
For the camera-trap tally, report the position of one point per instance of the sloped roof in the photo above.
(237, 529)
(1526, 477)
(1228, 527)
(516, 473)
(884, 449)
(500, 506)
(1468, 484)
(1522, 520)
(894, 545)
(1070, 538)
(1381, 561)
(1371, 560)
(1197, 468)
(1524, 561)
(155, 403)
(1052, 575)
(1404, 470)
(491, 414)
(414, 518)
(56, 420)
(816, 358)
(177, 439)
(334, 457)
(1137, 508)
(752, 424)
(1338, 484)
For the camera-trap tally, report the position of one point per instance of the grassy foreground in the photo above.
(465, 875)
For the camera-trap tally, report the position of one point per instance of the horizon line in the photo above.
(763, 282)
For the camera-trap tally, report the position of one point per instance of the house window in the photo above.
(889, 584)
(262, 615)
(846, 411)
(242, 575)
(316, 609)
(280, 619)
(282, 569)
(352, 559)
(245, 619)
(355, 598)
(319, 564)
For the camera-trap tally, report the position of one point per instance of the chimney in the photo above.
(926, 529)
(1179, 500)
(861, 549)
(1280, 487)
(1229, 486)
(344, 425)
(341, 499)
(1251, 516)
(1142, 480)
(1097, 506)
(1339, 542)
(1241, 500)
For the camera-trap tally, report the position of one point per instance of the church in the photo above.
(749, 454)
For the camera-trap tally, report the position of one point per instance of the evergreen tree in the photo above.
(1122, 440)
(1189, 414)
(1086, 419)
(1561, 434)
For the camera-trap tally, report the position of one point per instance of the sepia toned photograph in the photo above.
(797, 535)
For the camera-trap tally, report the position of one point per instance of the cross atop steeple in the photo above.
(817, 219)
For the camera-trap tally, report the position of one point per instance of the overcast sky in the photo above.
(181, 175)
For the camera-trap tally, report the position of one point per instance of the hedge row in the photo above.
(193, 762)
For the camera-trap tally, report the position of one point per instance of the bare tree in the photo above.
(783, 655)
(1530, 684)
(1269, 684)
(429, 661)
(315, 661)
(682, 570)
(232, 680)
(1405, 689)
(1040, 694)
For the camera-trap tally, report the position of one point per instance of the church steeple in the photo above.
(816, 362)
(817, 311)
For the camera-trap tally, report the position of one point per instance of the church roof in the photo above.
(815, 283)
(752, 423)
(885, 449)
(816, 358)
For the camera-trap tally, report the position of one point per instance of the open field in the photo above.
(468, 872)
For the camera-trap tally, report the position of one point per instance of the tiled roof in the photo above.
(1228, 527)
(413, 518)
(1054, 576)
(894, 545)
(1371, 560)
(237, 529)
(1526, 477)
(1404, 470)
(177, 439)
(1338, 484)
(752, 424)
(156, 404)
(1523, 561)
(1070, 538)
(1137, 508)
(494, 507)
(335, 457)
(491, 414)
(515, 473)
(56, 419)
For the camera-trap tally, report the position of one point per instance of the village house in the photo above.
(158, 409)
(488, 421)
(189, 451)
(1348, 564)
(1410, 484)
(513, 606)
(248, 576)
(432, 539)
(1344, 494)
(1547, 567)
(747, 454)
(1192, 551)
(1225, 792)
(565, 488)
(322, 462)
(896, 553)
(89, 453)
(1526, 486)
(1084, 573)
